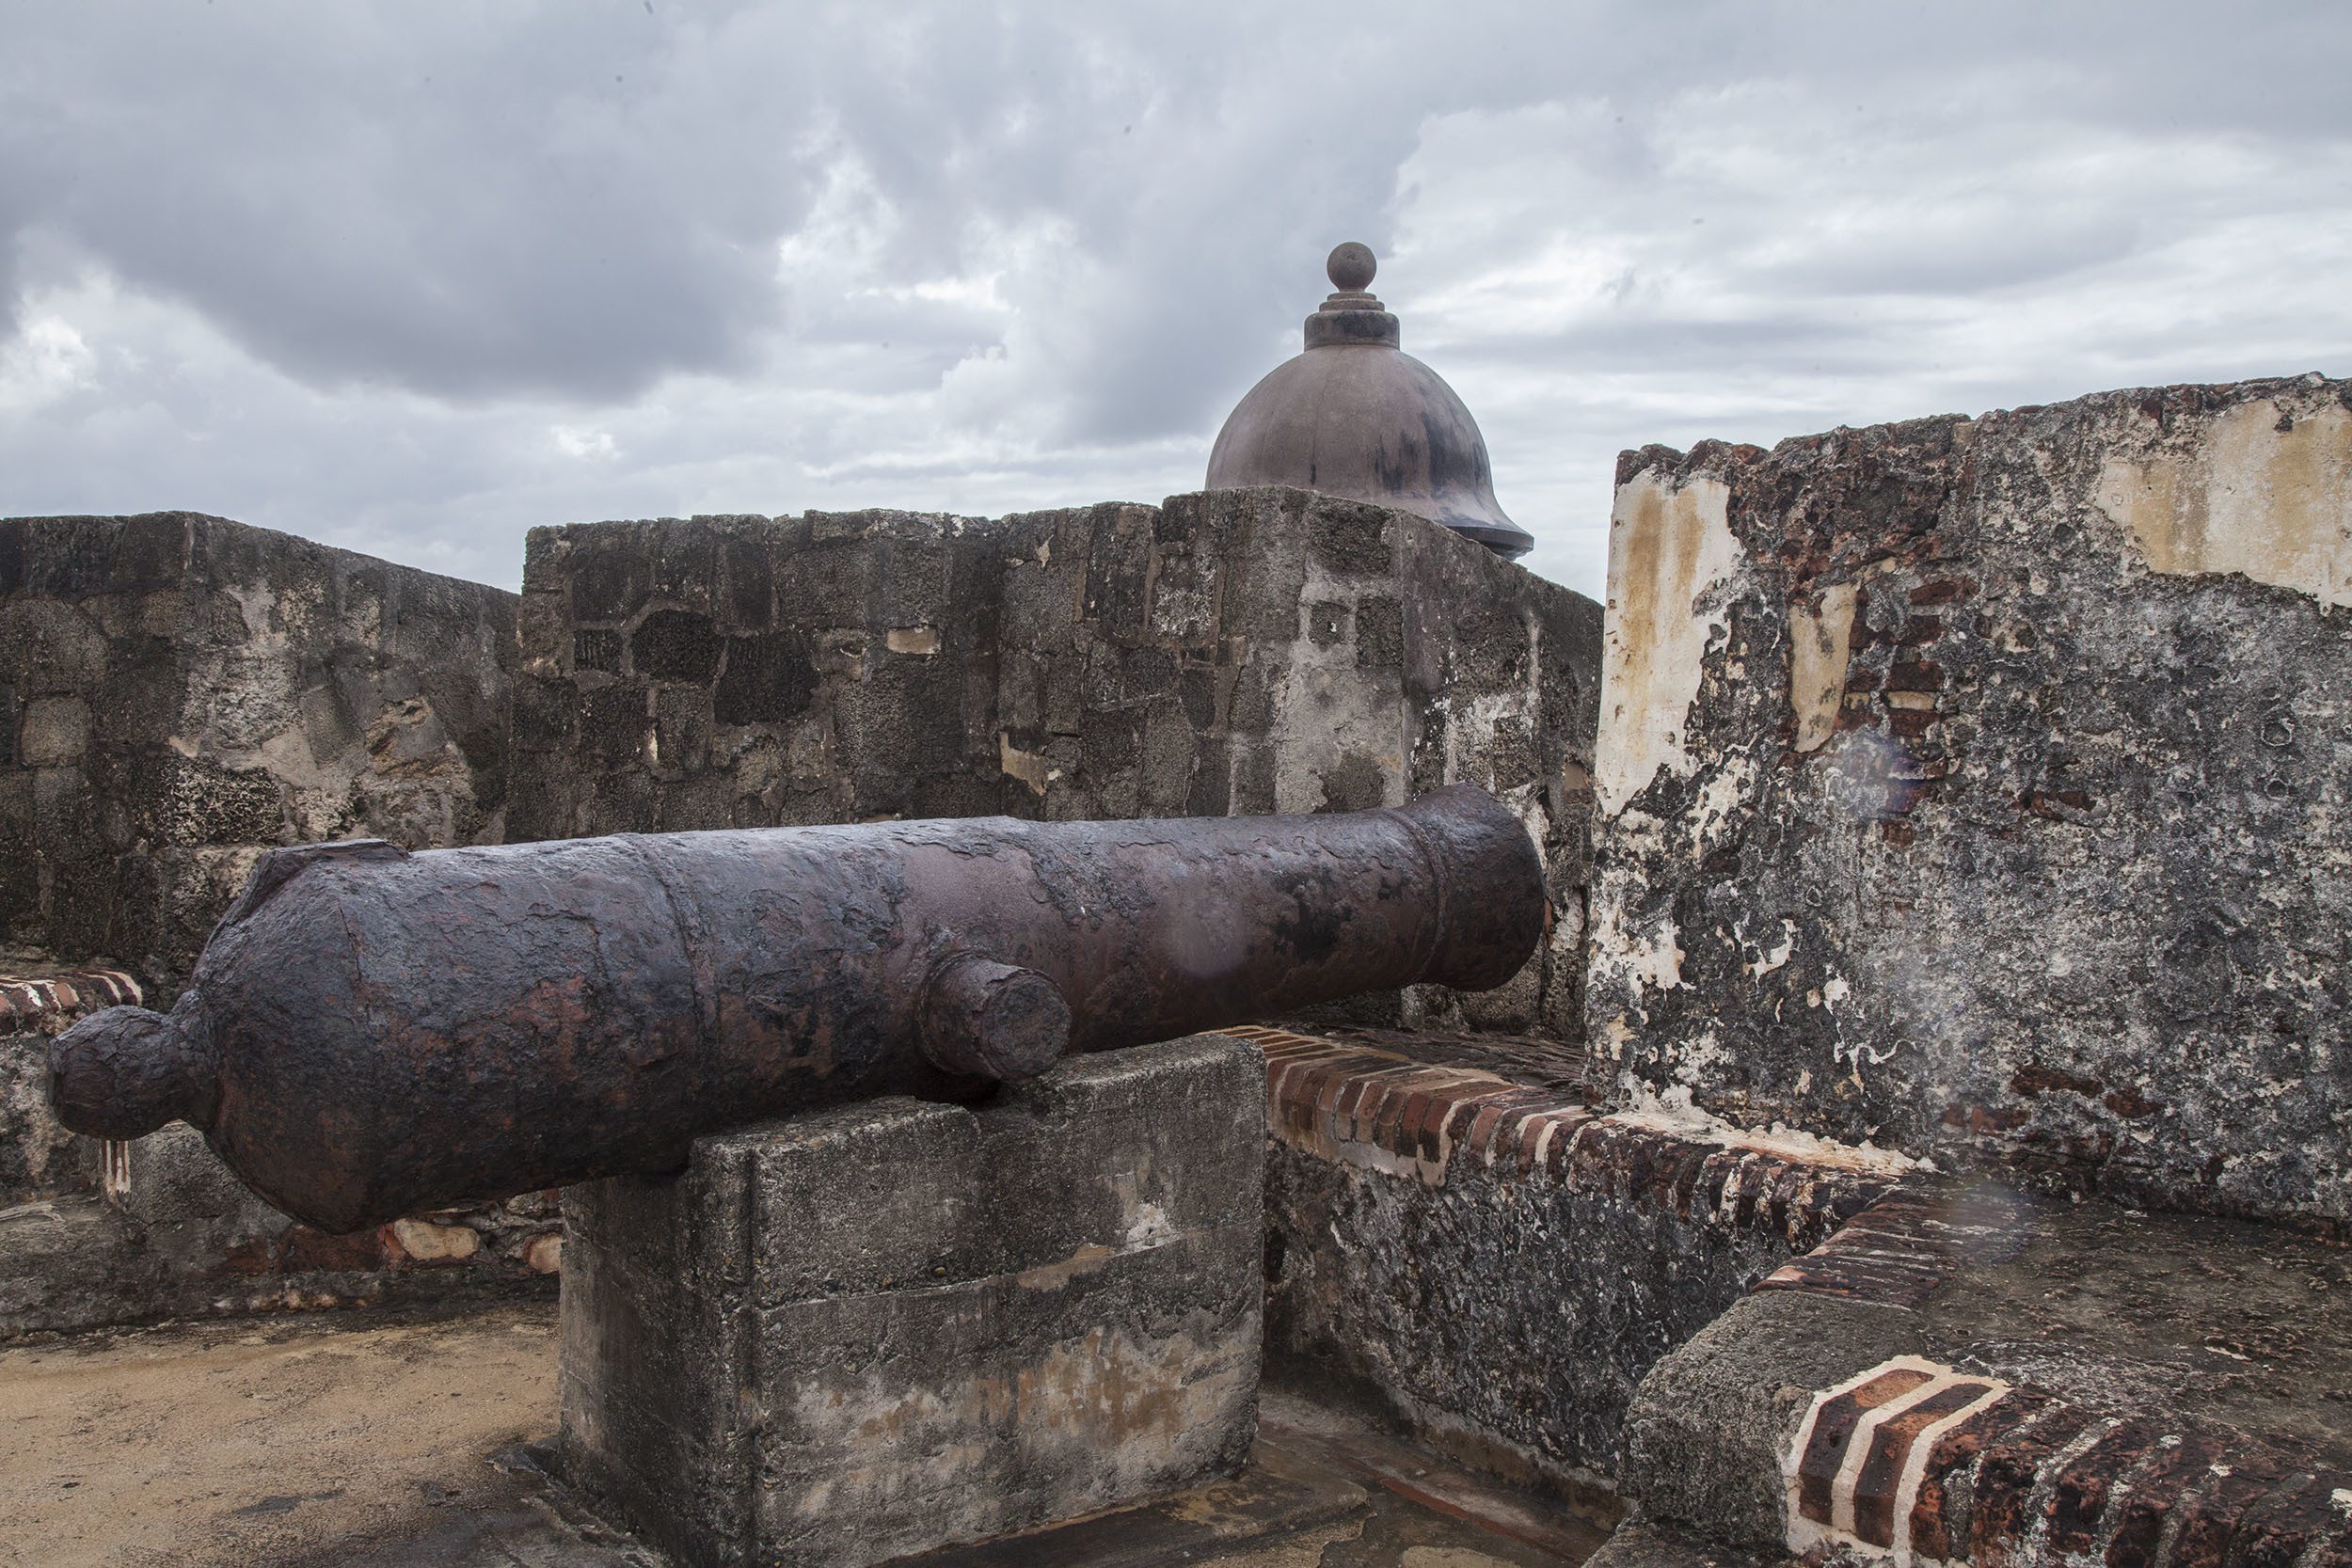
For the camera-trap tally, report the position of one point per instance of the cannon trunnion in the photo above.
(372, 1031)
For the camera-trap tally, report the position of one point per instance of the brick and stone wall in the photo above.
(1498, 1265)
(1228, 652)
(94, 1233)
(1966, 1373)
(1981, 786)
(180, 693)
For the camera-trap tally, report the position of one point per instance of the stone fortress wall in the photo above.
(1226, 652)
(1956, 801)
(1983, 787)
(187, 691)
(178, 694)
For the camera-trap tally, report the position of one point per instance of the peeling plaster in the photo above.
(1820, 638)
(2263, 494)
(1028, 766)
(1671, 1112)
(1669, 549)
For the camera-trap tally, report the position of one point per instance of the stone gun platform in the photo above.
(861, 1333)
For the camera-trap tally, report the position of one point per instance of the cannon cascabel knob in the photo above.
(126, 1071)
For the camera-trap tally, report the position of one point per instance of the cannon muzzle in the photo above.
(371, 1032)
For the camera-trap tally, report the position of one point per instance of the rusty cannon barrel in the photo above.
(371, 1032)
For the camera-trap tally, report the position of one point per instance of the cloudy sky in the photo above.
(413, 278)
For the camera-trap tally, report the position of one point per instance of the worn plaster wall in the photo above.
(1227, 652)
(178, 692)
(1980, 786)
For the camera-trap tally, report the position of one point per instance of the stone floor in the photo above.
(378, 1441)
(2222, 1321)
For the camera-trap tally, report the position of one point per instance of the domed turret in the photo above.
(1355, 417)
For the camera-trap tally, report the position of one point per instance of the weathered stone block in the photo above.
(1420, 1210)
(56, 732)
(846, 1337)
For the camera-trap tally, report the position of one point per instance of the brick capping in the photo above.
(1383, 1110)
(1902, 1247)
(47, 1003)
(1923, 1464)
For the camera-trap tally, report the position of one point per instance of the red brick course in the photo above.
(1362, 1104)
(1905, 1246)
(46, 1003)
(2025, 1480)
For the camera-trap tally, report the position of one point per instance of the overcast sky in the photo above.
(413, 278)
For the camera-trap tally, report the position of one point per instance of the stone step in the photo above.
(1965, 1374)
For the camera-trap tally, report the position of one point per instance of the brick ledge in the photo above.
(1381, 1110)
(42, 1004)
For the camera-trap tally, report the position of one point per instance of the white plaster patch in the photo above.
(1701, 1060)
(1719, 801)
(2266, 494)
(1328, 709)
(1653, 958)
(1767, 960)
(1028, 766)
(912, 640)
(1820, 647)
(1671, 1112)
(1670, 550)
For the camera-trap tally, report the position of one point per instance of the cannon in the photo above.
(371, 1032)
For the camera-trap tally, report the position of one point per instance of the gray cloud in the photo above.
(414, 281)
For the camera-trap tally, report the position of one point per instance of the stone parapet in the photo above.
(1227, 653)
(178, 694)
(95, 1233)
(39, 1158)
(171, 1234)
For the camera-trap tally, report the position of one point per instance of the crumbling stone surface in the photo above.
(1643, 1544)
(95, 1233)
(858, 1334)
(1498, 1265)
(178, 692)
(1223, 652)
(1981, 786)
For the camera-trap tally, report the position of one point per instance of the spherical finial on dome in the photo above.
(1351, 266)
